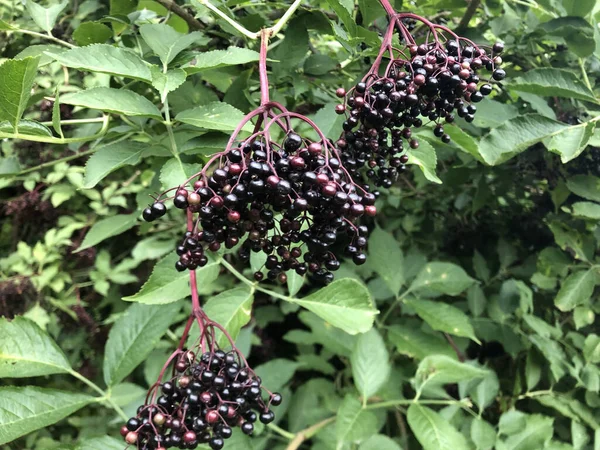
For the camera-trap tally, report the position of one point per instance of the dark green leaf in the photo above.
(106, 228)
(233, 56)
(552, 82)
(418, 344)
(109, 158)
(443, 278)
(576, 31)
(576, 290)
(214, 116)
(386, 258)
(276, 373)
(92, 33)
(586, 186)
(440, 369)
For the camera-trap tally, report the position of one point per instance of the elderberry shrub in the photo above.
(201, 404)
(441, 78)
(291, 199)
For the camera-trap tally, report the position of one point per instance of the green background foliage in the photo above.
(473, 323)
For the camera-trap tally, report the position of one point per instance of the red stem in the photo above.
(262, 67)
(388, 7)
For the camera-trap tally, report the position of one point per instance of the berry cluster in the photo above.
(290, 198)
(206, 397)
(423, 83)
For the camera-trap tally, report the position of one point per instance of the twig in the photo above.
(308, 433)
(469, 13)
(403, 430)
(192, 22)
(459, 354)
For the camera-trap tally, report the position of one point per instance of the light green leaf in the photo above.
(440, 369)
(572, 141)
(379, 442)
(233, 56)
(117, 101)
(426, 159)
(27, 351)
(370, 363)
(486, 391)
(418, 344)
(537, 430)
(463, 141)
(353, 423)
(587, 210)
(92, 33)
(125, 393)
(100, 443)
(168, 43)
(591, 348)
(491, 113)
(167, 82)
(576, 290)
(16, 79)
(5, 26)
(166, 285)
(443, 317)
(106, 228)
(174, 173)
(516, 136)
(45, 18)
(586, 186)
(432, 431)
(133, 337)
(214, 116)
(232, 309)
(345, 304)
(578, 7)
(443, 278)
(26, 127)
(26, 409)
(483, 434)
(111, 157)
(105, 58)
(294, 282)
(386, 258)
(550, 82)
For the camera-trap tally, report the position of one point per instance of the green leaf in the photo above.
(576, 31)
(105, 58)
(550, 82)
(174, 173)
(166, 285)
(486, 391)
(115, 101)
(353, 423)
(379, 442)
(443, 317)
(26, 127)
(537, 430)
(5, 26)
(16, 79)
(40, 51)
(27, 351)
(168, 43)
(92, 33)
(214, 116)
(233, 56)
(386, 258)
(443, 278)
(425, 158)
(441, 369)
(418, 344)
(370, 363)
(572, 141)
(232, 309)
(26, 409)
(578, 7)
(591, 348)
(318, 64)
(345, 304)
(463, 141)
(45, 18)
(433, 431)
(571, 240)
(587, 210)
(586, 186)
(100, 443)
(371, 10)
(106, 228)
(111, 157)
(56, 114)
(167, 82)
(133, 337)
(491, 113)
(516, 136)
(483, 434)
(276, 373)
(576, 290)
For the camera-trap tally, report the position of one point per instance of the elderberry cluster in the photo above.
(201, 404)
(294, 201)
(438, 81)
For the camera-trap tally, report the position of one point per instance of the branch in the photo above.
(469, 13)
(192, 22)
(308, 433)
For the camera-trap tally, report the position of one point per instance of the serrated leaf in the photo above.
(432, 431)
(26, 409)
(167, 82)
(572, 141)
(345, 304)
(517, 135)
(370, 363)
(551, 82)
(214, 116)
(45, 18)
(166, 285)
(440, 369)
(174, 173)
(105, 58)
(26, 127)
(443, 278)
(232, 309)
(92, 33)
(116, 101)
(424, 156)
(106, 228)
(16, 79)
(233, 56)
(108, 158)
(443, 317)
(27, 351)
(353, 423)
(386, 258)
(586, 186)
(418, 344)
(168, 43)
(576, 290)
(133, 337)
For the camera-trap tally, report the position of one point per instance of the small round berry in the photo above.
(359, 258)
(148, 215)
(124, 430)
(247, 428)
(131, 437)
(158, 209)
(340, 92)
(276, 399)
(159, 419)
(292, 142)
(498, 47)
(340, 109)
(267, 417)
(189, 437)
(216, 443)
(414, 144)
(499, 74)
(180, 202)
